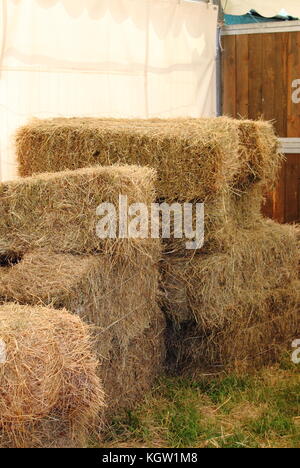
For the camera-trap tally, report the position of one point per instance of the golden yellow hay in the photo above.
(118, 297)
(195, 158)
(224, 217)
(50, 392)
(58, 211)
(237, 309)
(129, 374)
(208, 287)
(262, 332)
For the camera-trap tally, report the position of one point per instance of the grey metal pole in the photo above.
(219, 58)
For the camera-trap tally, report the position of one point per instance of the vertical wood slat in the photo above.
(292, 187)
(242, 76)
(255, 75)
(269, 76)
(281, 83)
(268, 205)
(293, 118)
(279, 197)
(229, 75)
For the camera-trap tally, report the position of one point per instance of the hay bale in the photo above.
(260, 159)
(195, 158)
(262, 331)
(116, 296)
(224, 217)
(50, 392)
(58, 211)
(129, 374)
(222, 162)
(236, 309)
(208, 287)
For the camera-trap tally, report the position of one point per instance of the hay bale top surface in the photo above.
(45, 277)
(195, 129)
(195, 158)
(110, 179)
(59, 211)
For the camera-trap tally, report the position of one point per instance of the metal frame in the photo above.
(290, 145)
(219, 109)
(261, 28)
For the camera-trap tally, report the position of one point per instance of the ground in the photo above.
(221, 411)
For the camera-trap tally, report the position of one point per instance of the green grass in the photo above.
(261, 410)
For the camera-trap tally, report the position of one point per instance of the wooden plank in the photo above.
(242, 76)
(255, 75)
(281, 83)
(268, 208)
(275, 204)
(269, 67)
(293, 118)
(292, 188)
(229, 76)
(279, 197)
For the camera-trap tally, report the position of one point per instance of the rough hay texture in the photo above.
(58, 211)
(195, 158)
(261, 333)
(222, 162)
(116, 296)
(224, 218)
(208, 288)
(238, 308)
(50, 391)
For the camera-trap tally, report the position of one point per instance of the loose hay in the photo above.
(118, 297)
(50, 393)
(235, 309)
(58, 211)
(263, 330)
(206, 288)
(195, 158)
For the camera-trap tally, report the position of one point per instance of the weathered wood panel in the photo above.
(292, 188)
(293, 71)
(242, 76)
(259, 81)
(283, 204)
(229, 76)
(256, 77)
(258, 71)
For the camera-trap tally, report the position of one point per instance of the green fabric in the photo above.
(253, 17)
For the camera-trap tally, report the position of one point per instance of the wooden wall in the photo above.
(283, 204)
(258, 72)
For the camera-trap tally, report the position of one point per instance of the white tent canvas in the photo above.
(118, 58)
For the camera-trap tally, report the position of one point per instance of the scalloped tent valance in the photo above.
(103, 58)
(267, 8)
(97, 9)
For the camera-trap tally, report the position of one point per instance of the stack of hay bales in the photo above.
(50, 391)
(235, 302)
(51, 256)
(221, 162)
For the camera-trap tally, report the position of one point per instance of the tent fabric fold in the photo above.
(267, 8)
